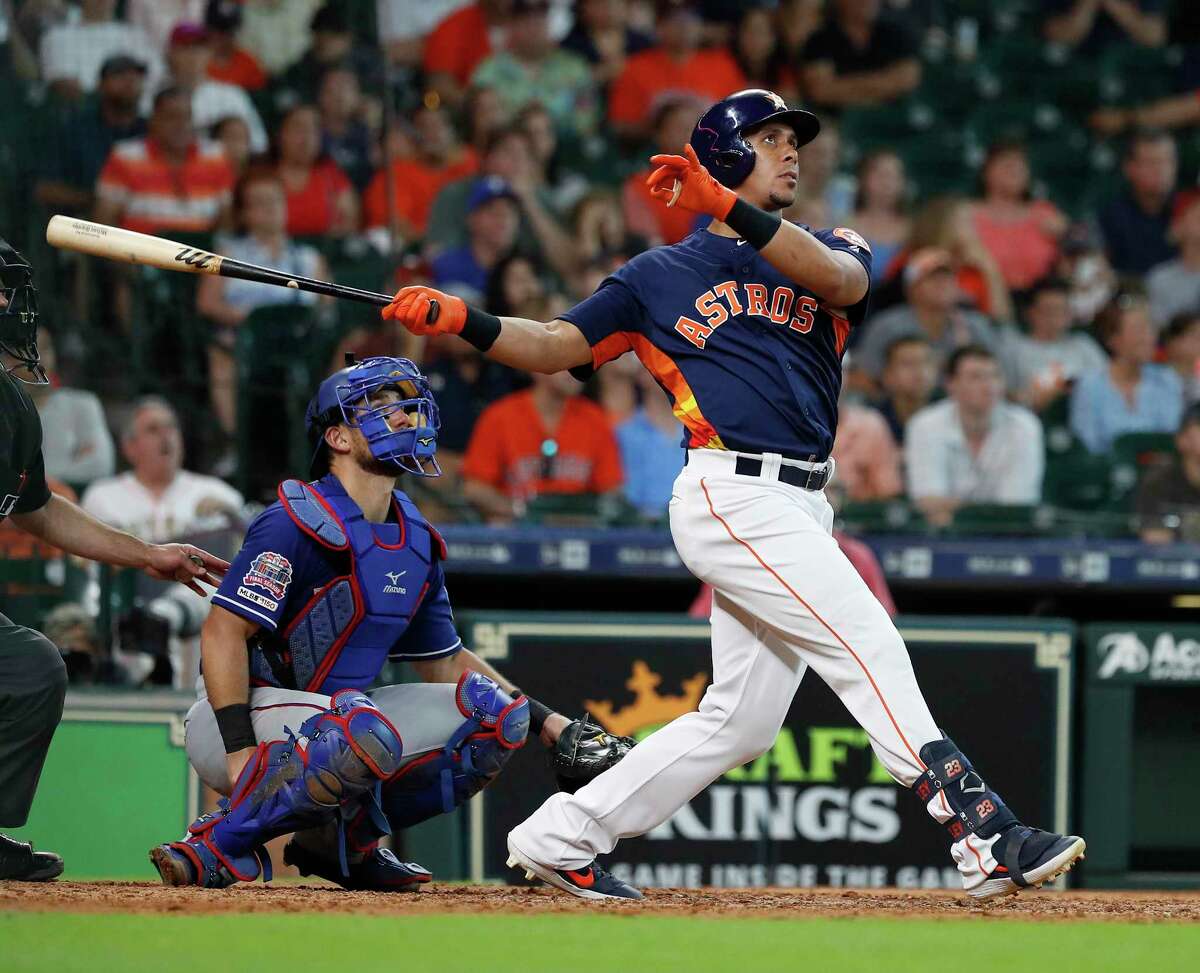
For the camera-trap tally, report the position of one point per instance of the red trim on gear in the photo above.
(190, 853)
(403, 529)
(443, 553)
(335, 650)
(211, 846)
(283, 502)
(500, 722)
(416, 762)
(824, 624)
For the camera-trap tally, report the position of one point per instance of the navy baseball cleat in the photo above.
(589, 882)
(19, 862)
(1028, 857)
(380, 871)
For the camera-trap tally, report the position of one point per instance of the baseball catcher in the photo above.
(338, 576)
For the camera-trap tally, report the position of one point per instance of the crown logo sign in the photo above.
(649, 707)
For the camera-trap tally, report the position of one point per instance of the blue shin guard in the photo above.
(494, 725)
(339, 756)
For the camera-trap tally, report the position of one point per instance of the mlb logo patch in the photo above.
(270, 571)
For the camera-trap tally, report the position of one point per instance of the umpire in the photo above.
(33, 679)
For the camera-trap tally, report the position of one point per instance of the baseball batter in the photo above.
(744, 325)
(337, 577)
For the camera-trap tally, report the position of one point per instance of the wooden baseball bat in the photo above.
(114, 243)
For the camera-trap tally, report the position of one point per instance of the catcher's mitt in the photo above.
(584, 751)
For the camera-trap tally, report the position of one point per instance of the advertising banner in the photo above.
(818, 808)
(1121, 653)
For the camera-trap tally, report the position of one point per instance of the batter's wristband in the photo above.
(481, 329)
(757, 227)
(237, 732)
(538, 714)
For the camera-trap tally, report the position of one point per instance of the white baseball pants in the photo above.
(785, 599)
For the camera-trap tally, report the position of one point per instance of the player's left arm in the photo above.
(836, 276)
(450, 668)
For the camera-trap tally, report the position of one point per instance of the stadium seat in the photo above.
(1001, 520)
(1135, 454)
(1076, 479)
(896, 516)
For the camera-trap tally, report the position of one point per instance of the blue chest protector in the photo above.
(341, 637)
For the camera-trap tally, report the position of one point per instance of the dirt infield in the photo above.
(143, 897)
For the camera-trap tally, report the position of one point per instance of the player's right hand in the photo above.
(681, 180)
(412, 307)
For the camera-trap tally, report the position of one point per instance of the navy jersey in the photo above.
(751, 360)
(280, 568)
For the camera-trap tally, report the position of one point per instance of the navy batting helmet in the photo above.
(718, 137)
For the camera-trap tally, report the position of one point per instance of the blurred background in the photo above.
(1026, 174)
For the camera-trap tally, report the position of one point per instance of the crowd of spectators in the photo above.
(500, 147)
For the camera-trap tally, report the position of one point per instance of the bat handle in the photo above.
(434, 310)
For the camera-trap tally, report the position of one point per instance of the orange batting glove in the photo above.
(680, 180)
(425, 311)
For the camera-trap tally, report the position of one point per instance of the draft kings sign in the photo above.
(817, 808)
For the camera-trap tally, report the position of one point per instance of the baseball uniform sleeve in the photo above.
(273, 564)
(431, 633)
(607, 318)
(849, 241)
(35, 493)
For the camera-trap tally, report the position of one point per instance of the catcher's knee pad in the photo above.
(338, 758)
(956, 795)
(494, 726)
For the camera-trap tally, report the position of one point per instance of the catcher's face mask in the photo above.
(19, 316)
(390, 402)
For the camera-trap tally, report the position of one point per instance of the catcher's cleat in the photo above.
(20, 863)
(1028, 858)
(589, 882)
(379, 871)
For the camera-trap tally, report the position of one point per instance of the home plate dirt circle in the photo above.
(144, 897)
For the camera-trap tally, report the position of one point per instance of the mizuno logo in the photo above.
(426, 440)
(394, 588)
(395, 576)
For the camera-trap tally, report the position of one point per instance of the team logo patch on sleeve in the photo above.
(852, 237)
(270, 571)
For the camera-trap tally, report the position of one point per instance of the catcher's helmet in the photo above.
(19, 318)
(718, 136)
(345, 397)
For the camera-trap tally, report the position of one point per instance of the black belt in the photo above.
(793, 475)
